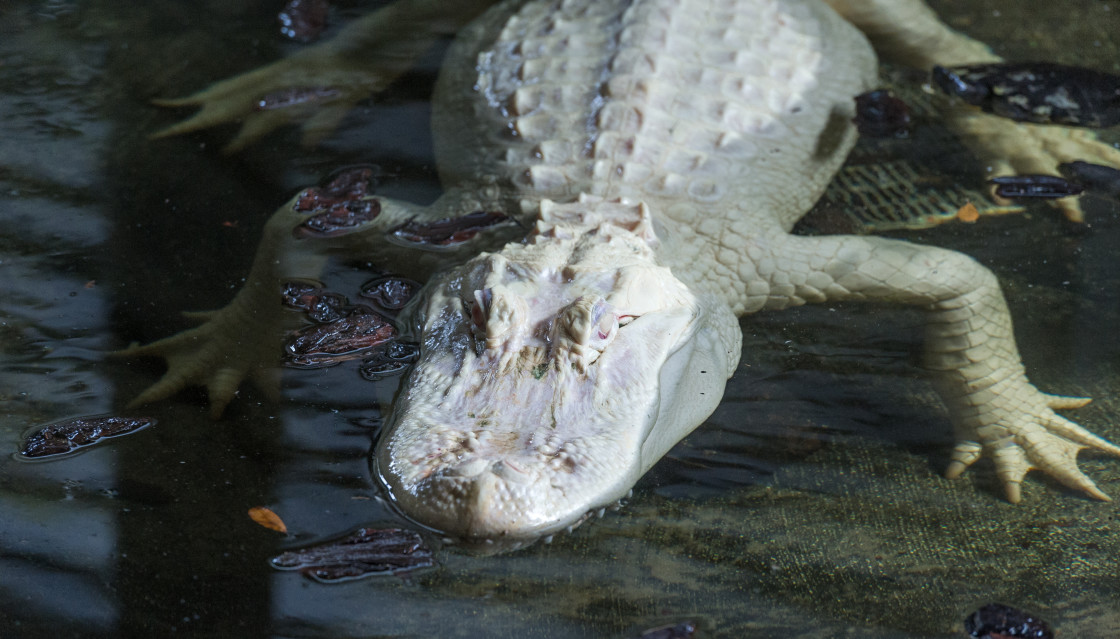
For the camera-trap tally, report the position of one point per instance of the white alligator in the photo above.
(660, 151)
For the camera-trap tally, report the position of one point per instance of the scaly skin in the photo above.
(661, 152)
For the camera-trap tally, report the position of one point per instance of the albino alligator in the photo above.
(660, 151)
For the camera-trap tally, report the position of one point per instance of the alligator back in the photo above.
(717, 109)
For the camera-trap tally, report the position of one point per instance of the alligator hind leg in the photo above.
(244, 338)
(319, 85)
(910, 33)
(970, 346)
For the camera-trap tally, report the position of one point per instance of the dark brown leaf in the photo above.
(997, 621)
(369, 551)
(448, 231)
(346, 338)
(65, 437)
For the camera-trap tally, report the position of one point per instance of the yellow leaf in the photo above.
(267, 518)
(968, 213)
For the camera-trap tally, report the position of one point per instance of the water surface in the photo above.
(810, 504)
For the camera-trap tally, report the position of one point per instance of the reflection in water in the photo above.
(58, 531)
(810, 504)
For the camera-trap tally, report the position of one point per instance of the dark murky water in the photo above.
(810, 504)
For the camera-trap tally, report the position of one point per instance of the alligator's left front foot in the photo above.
(1015, 424)
(229, 346)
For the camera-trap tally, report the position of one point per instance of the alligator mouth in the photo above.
(495, 545)
(519, 455)
(487, 546)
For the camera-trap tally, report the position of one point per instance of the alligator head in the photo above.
(551, 376)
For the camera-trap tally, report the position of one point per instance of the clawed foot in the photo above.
(319, 85)
(317, 90)
(219, 354)
(1023, 433)
(1013, 148)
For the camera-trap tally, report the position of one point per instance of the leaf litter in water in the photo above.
(265, 517)
(368, 551)
(68, 436)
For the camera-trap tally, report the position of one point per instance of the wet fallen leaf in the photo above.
(267, 518)
(68, 436)
(368, 551)
(448, 231)
(968, 213)
(348, 337)
(997, 621)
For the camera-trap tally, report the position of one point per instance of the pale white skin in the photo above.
(661, 151)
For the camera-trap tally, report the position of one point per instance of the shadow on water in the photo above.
(810, 504)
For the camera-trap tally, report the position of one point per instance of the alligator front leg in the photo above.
(244, 338)
(910, 33)
(970, 346)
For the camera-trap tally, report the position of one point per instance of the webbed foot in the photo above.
(219, 354)
(314, 90)
(1018, 428)
(319, 85)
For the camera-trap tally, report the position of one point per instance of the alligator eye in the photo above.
(604, 325)
(607, 325)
